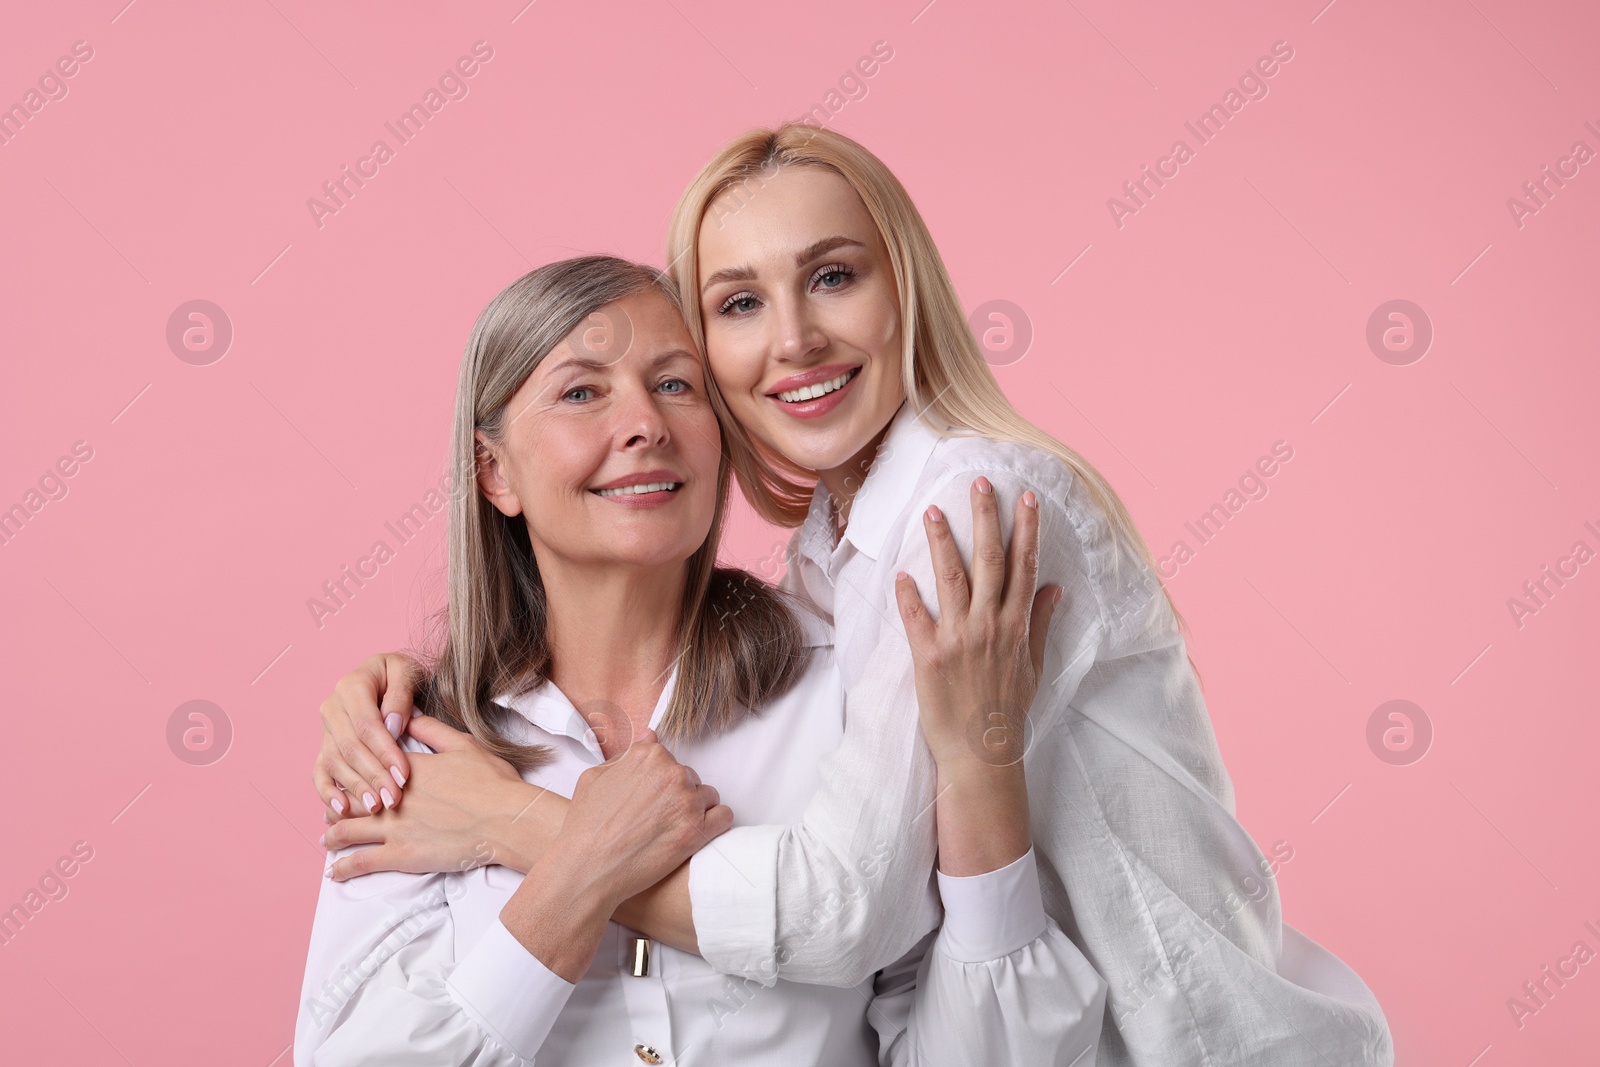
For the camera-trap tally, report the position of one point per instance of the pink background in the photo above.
(1227, 314)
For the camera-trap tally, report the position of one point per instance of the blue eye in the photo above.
(682, 386)
(837, 271)
(739, 302)
(571, 393)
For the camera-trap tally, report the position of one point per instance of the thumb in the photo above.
(1044, 607)
(437, 735)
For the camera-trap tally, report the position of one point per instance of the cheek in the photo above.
(736, 363)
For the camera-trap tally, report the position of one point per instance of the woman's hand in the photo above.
(977, 671)
(466, 808)
(633, 820)
(361, 768)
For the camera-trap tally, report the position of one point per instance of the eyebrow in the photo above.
(801, 258)
(603, 364)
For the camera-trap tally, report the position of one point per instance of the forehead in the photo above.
(780, 215)
(640, 330)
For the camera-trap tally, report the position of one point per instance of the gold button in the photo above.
(647, 1054)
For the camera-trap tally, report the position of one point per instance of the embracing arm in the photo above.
(382, 982)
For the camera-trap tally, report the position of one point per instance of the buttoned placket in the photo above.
(650, 1022)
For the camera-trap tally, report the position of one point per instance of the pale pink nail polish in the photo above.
(323, 840)
(984, 486)
(399, 779)
(372, 805)
(388, 798)
(327, 872)
(338, 803)
(392, 721)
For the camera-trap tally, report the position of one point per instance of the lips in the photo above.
(645, 486)
(816, 392)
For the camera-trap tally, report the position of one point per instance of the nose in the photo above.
(798, 334)
(642, 423)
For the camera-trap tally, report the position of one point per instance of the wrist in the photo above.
(557, 916)
(523, 824)
(982, 817)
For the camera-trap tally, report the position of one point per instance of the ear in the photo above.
(492, 477)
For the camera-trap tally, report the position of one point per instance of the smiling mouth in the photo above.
(812, 392)
(640, 490)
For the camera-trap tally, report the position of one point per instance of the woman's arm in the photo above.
(382, 984)
(1000, 983)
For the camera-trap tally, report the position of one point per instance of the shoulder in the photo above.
(1071, 519)
(1077, 538)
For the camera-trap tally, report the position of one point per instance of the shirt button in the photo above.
(647, 1054)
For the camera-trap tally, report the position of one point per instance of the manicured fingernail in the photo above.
(372, 805)
(934, 514)
(327, 872)
(388, 798)
(399, 779)
(323, 840)
(338, 803)
(984, 486)
(392, 721)
(901, 576)
(1029, 499)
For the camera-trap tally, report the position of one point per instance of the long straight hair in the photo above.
(739, 644)
(941, 366)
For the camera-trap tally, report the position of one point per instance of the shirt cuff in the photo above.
(733, 898)
(990, 916)
(505, 989)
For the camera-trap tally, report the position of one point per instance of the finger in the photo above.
(323, 781)
(988, 548)
(1044, 607)
(718, 820)
(707, 797)
(372, 785)
(366, 861)
(346, 799)
(349, 832)
(1022, 558)
(949, 574)
(437, 735)
(354, 711)
(914, 613)
(401, 677)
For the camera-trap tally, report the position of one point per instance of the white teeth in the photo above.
(811, 392)
(647, 487)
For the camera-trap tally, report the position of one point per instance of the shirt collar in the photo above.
(888, 490)
(550, 710)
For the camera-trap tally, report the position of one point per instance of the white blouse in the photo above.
(1141, 859)
(419, 969)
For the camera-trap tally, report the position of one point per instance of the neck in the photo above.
(613, 640)
(843, 482)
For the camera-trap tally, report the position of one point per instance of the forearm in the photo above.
(663, 912)
(559, 914)
(982, 816)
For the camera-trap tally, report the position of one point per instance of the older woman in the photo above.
(585, 619)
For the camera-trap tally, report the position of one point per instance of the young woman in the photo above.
(857, 406)
(585, 601)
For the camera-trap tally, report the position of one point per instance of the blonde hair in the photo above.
(741, 646)
(942, 368)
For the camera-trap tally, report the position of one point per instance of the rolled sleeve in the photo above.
(733, 896)
(508, 991)
(990, 916)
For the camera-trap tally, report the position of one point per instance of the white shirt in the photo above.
(419, 969)
(1140, 856)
